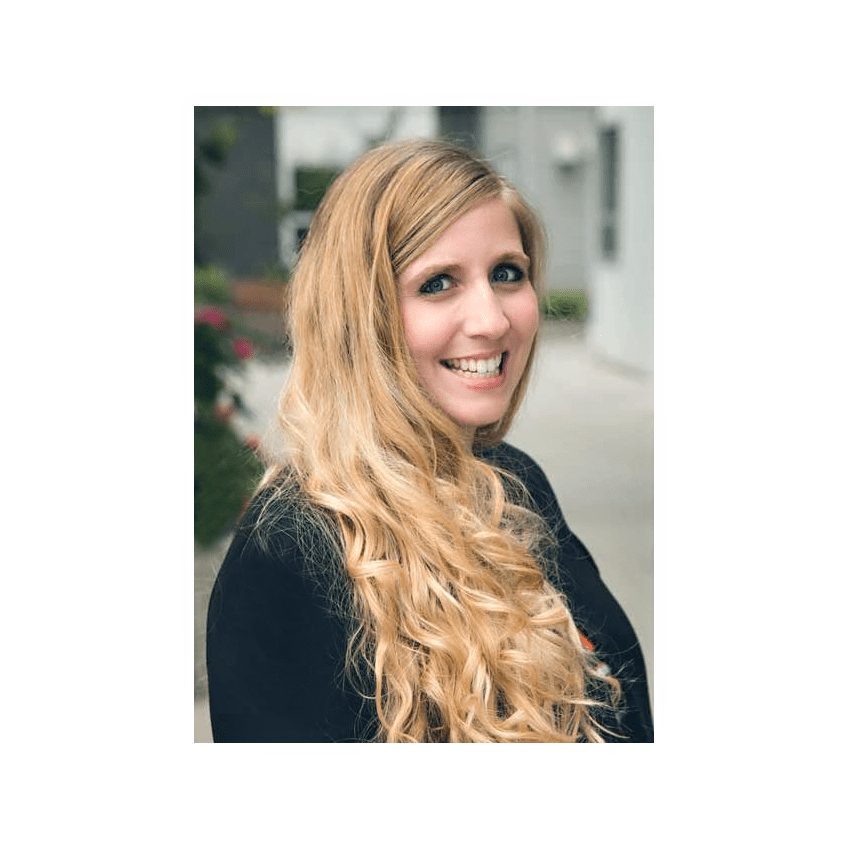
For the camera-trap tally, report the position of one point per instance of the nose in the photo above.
(484, 313)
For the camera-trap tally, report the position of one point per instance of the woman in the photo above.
(402, 574)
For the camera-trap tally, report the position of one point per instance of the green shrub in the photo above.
(212, 285)
(226, 473)
(566, 303)
(275, 271)
(227, 468)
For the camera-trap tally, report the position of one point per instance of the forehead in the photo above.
(483, 233)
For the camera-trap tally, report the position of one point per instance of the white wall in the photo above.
(544, 152)
(621, 328)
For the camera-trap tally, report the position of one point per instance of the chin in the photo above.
(472, 421)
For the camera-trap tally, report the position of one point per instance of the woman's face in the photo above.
(470, 314)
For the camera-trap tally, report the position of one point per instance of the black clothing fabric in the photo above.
(276, 639)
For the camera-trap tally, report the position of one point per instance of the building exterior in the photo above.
(313, 143)
(546, 152)
(588, 170)
(621, 327)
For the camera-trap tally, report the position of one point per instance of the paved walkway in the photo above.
(589, 425)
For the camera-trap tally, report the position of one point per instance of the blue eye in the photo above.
(507, 273)
(440, 283)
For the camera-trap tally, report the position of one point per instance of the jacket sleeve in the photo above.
(275, 651)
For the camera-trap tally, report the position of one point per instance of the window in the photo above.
(461, 125)
(310, 186)
(609, 179)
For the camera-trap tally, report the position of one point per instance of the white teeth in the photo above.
(483, 368)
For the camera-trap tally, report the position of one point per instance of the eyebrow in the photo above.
(452, 267)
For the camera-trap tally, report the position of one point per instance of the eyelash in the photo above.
(519, 275)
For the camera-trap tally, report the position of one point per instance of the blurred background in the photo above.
(260, 172)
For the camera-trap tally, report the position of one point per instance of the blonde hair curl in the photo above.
(459, 635)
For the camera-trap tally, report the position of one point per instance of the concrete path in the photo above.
(589, 425)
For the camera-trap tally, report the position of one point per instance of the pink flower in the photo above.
(222, 412)
(211, 316)
(243, 349)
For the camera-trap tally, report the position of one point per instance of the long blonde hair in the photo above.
(461, 635)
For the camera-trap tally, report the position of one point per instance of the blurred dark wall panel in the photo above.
(461, 125)
(236, 189)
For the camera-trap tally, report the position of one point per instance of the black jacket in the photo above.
(276, 639)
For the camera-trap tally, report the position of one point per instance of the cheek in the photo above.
(415, 332)
(525, 312)
(424, 333)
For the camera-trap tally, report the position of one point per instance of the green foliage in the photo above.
(226, 473)
(226, 470)
(566, 303)
(212, 285)
(209, 356)
(275, 271)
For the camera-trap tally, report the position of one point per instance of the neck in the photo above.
(469, 432)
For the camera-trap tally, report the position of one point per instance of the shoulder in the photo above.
(277, 630)
(281, 551)
(282, 524)
(505, 456)
(522, 466)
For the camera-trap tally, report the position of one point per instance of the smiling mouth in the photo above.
(491, 367)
